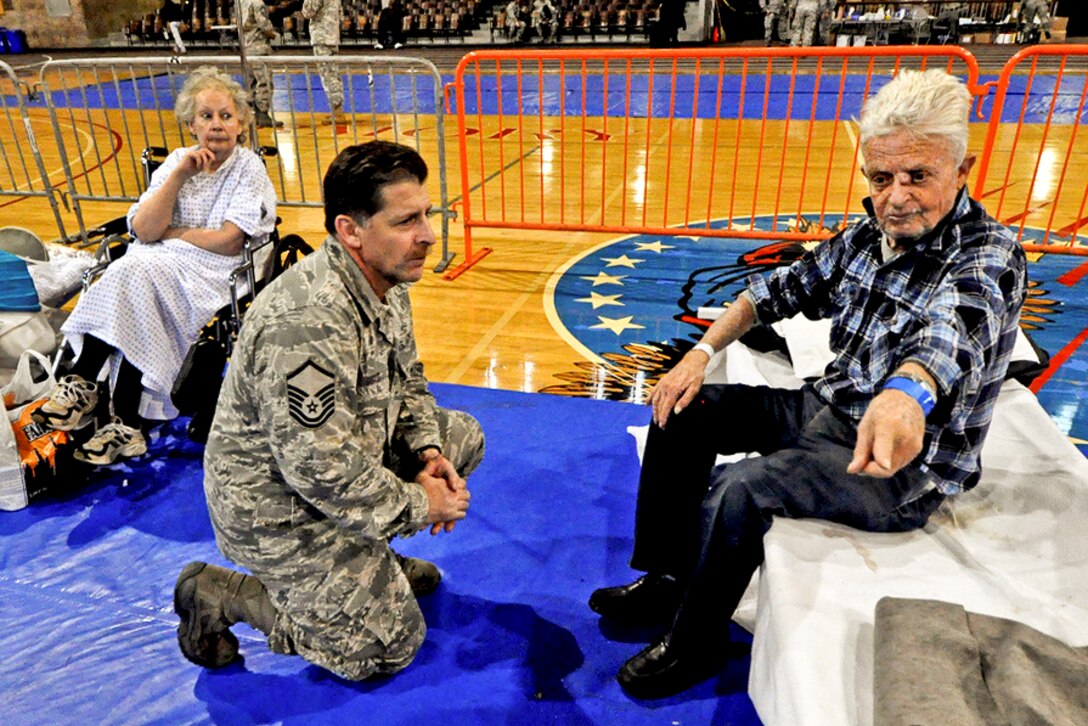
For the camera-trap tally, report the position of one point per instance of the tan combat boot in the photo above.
(209, 599)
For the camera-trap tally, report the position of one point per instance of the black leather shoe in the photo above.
(662, 670)
(649, 600)
(200, 425)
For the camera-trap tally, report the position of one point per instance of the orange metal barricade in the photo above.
(651, 142)
(1034, 166)
(703, 141)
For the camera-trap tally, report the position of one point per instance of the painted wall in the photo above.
(70, 23)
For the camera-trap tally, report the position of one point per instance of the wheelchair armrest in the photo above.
(105, 255)
(113, 228)
(151, 159)
(264, 153)
(91, 274)
(246, 269)
(249, 246)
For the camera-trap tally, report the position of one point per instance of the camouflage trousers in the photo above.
(259, 78)
(774, 19)
(330, 75)
(804, 27)
(1029, 9)
(349, 608)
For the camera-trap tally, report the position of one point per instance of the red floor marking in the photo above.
(117, 144)
(1059, 360)
(995, 191)
(1017, 217)
(1068, 230)
(695, 321)
(1074, 276)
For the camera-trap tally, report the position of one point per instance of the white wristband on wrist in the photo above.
(705, 348)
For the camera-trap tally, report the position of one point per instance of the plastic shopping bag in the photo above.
(33, 379)
(34, 458)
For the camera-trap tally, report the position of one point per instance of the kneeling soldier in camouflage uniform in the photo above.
(326, 443)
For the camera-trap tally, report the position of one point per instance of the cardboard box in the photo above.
(843, 41)
(984, 37)
(966, 39)
(1056, 36)
(1059, 23)
(860, 40)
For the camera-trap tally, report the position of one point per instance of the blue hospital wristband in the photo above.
(913, 389)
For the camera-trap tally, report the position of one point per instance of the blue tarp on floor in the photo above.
(87, 627)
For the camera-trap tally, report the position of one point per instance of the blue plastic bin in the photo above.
(15, 41)
(3, 41)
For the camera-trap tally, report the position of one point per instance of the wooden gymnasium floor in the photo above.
(506, 323)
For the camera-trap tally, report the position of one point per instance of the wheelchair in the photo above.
(196, 389)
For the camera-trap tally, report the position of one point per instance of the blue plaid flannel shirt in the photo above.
(951, 303)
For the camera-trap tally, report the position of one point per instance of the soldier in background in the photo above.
(774, 17)
(516, 24)
(326, 443)
(947, 26)
(257, 31)
(1030, 10)
(324, 17)
(806, 17)
(545, 21)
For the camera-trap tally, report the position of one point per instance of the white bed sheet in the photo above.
(1015, 547)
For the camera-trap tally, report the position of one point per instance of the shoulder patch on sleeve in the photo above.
(311, 394)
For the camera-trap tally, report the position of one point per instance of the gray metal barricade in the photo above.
(22, 170)
(106, 111)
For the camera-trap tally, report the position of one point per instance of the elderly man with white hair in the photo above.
(924, 297)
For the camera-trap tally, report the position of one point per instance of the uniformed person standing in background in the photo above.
(324, 17)
(1032, 10)
(774, 19)
(804, 21)
(257, 31)
(326, 443)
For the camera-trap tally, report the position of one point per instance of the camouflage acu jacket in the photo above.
(255, 25)
(322, 378)
(324, 17)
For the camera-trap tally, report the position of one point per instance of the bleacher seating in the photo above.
(592, 20)
(425, 21)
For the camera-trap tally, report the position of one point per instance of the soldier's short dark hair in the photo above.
(353, 184)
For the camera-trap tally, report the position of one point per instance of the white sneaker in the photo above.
(398, 46)
(112, 442)
(69, 401)
(379, 46)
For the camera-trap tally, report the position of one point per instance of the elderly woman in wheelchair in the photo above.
(139, 320)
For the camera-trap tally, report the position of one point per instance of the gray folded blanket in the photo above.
(935, 663)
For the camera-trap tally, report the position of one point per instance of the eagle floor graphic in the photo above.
(631, 307)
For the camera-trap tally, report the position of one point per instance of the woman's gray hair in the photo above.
(204, 78)
(926, 103)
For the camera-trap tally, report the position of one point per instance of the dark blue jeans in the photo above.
(705, 524)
